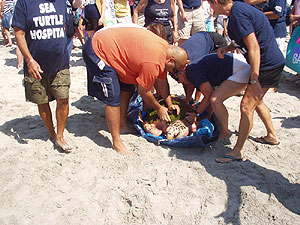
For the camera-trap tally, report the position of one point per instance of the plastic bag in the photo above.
(293, 51)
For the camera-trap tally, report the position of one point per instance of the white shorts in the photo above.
(240, 69)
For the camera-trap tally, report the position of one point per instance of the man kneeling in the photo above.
(230, 75)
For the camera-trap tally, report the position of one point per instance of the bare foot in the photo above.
(122, 149)
(63, 145)
(8, 45)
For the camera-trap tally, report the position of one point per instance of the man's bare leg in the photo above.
(124, 102)
(112, 115)
(19, 58)
(7, 33)
(46, 115)
(265, 115)
(227, 89)
(62, 112)
(248, 106)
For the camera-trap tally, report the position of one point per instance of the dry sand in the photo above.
(158, 185)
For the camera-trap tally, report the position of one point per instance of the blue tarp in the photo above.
(206, 134)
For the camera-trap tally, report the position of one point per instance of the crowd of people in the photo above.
(216, 47)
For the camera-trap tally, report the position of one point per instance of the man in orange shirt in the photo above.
(119, 59)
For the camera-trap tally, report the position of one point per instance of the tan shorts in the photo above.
(48, 88)
(196, 23)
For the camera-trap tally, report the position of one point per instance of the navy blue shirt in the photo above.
(245, 19)
(210, 68)
(279, 8)
(158, 13)
(201, 43)
(191, 3)
(43, 22)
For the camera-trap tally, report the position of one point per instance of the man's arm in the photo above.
(149, 99)
(223, 51)
(254, 60)
(139, 8)
(206, 89)
(271, 15)
(34, 68)
(101, 8)
(162, 86)
(181, 10)
(2, 7)
(174, 22)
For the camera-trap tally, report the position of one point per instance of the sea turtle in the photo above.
(180, 129)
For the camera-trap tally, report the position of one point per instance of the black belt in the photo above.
(195, 7)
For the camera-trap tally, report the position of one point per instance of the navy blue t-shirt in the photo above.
(191, 3)
(210, 68)
(202, 43)
(43, 22)
(279, 8)
(245, 19)
(158, 13)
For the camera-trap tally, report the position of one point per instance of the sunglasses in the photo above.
(174, 75)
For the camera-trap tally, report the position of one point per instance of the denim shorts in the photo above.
(7, 19)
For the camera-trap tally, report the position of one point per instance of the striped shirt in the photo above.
(8, 6)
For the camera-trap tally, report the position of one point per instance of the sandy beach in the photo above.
(157, 185)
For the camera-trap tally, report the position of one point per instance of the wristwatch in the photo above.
(253, 81)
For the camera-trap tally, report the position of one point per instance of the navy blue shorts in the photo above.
(103, 80)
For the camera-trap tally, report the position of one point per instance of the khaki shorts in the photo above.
(48, 88)
(196, 23)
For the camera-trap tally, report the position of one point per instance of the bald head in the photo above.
(179, 54)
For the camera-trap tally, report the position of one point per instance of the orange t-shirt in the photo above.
(136, 54)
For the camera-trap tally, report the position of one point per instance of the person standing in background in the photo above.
(94, 13)
(275, 10)
(6, 14)
(221, 25)
(191, 21)
(70, 28)
(209, 16)
(159, 11)
(295, 15)
(122, 11)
